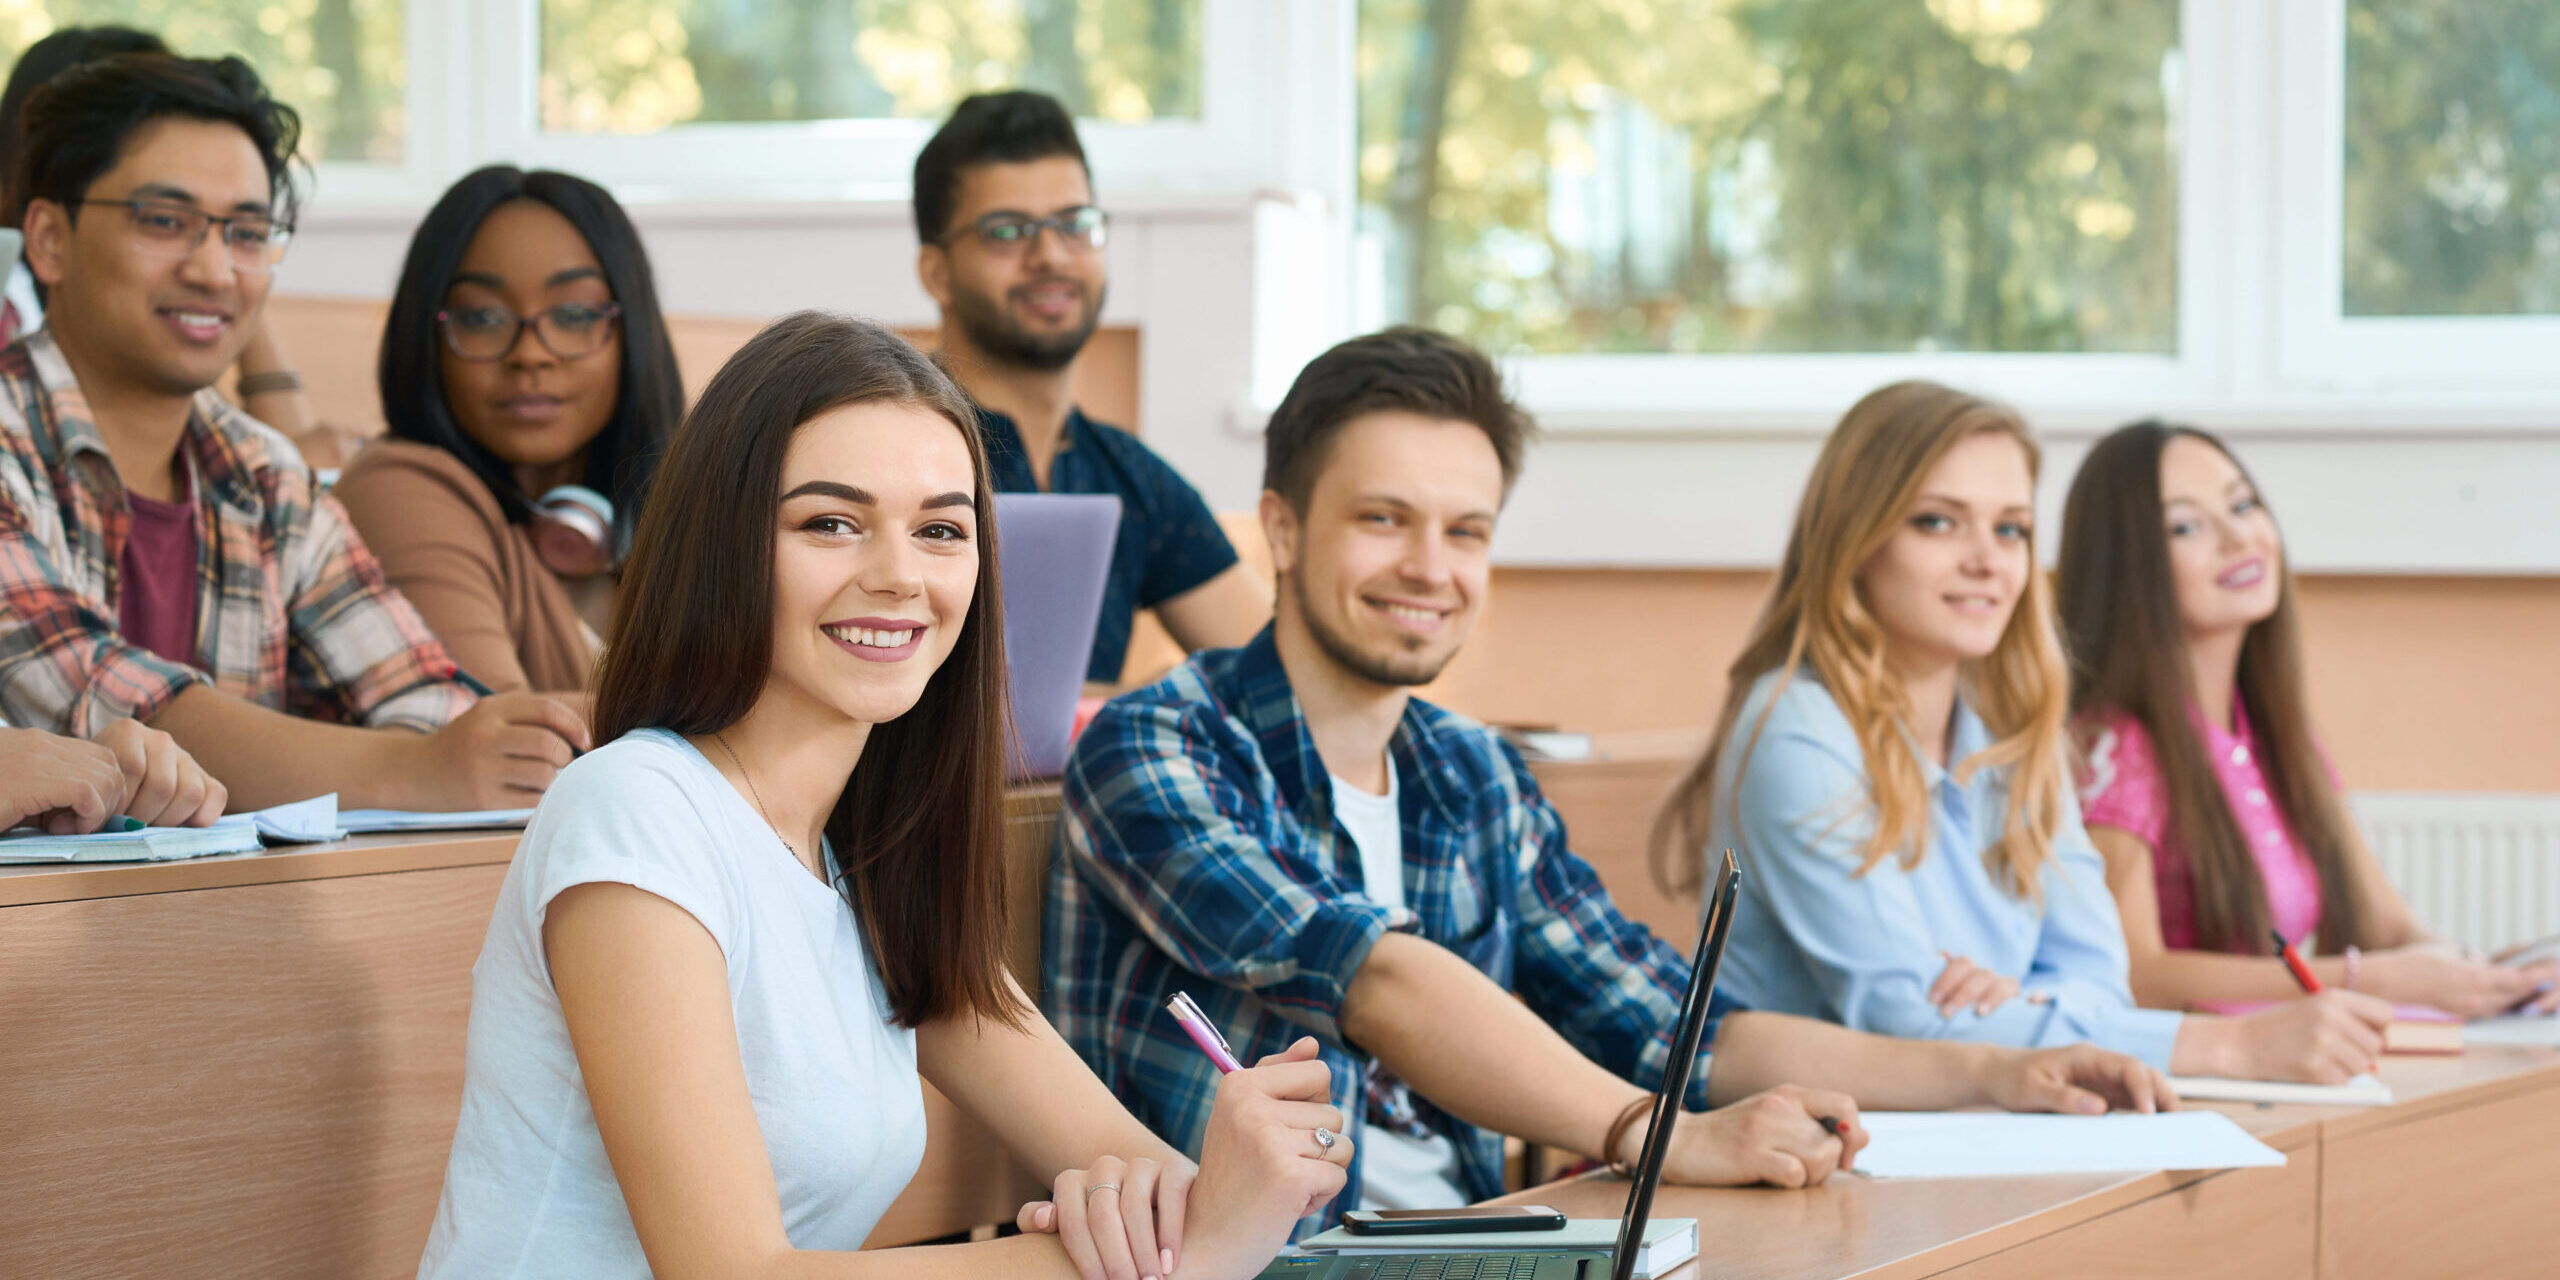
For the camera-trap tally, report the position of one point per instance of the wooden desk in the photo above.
(252, 1065)
(2449, 1180)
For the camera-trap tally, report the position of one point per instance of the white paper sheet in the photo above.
(2360, 1091)
(1996, 1144)
(2525, 1029)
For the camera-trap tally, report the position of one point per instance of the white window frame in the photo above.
(2478, 359)
(473, 68)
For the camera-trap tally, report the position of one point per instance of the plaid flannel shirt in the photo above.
(291, 611)
(1199, 851)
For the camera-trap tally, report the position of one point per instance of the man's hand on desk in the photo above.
(63, 785)
(163, 785)
(2080, 1079)
(1776, 1136)
(70, 787)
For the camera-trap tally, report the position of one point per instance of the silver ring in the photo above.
(1100, 1186)
(1324, 1138)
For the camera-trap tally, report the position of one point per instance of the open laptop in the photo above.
(1054, 552)
(1572, 1264)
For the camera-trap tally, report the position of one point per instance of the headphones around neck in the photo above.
(572, 528)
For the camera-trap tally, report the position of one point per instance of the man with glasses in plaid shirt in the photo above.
(1286, 833)
(165, 558)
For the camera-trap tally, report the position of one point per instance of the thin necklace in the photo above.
(767, 814)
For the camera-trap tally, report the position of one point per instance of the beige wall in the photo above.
(2419, 684)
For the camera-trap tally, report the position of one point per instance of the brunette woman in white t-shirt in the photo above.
(737, 936)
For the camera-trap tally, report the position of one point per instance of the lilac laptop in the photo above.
(1054, 552)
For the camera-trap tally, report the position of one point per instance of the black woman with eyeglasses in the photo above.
(165, 557)
(530, 387)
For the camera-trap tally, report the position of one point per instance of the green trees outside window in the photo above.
(2452, 158)
(1774, 175)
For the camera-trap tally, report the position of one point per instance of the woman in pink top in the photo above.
(2202, 782)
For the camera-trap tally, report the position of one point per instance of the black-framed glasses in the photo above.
(171, 229)
(1084, 227)
(571, 331)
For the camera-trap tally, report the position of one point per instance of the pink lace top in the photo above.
(2124, 788)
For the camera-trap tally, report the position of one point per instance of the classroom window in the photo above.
(634, 66)
(343, 64)
(2452, 153)
(1772, 175)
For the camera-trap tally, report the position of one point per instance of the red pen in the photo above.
(2293, 960)
(1196, 1025)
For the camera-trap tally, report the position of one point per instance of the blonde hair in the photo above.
(1862, 488)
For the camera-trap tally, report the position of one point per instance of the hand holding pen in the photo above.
(1273, 1153)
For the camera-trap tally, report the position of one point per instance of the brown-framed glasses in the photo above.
(570, 331)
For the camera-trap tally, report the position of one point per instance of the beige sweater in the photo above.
(445, 544)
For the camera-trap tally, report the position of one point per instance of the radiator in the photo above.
(2482, 869)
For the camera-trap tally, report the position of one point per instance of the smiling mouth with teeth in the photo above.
(873, 639)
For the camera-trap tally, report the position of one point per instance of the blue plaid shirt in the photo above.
(1199, 851)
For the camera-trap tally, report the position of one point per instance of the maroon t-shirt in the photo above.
(156, 607)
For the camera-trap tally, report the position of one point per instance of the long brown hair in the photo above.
(1861, 490)
(2119, 604)
(919, 830)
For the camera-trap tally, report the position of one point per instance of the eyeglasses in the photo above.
(571, 331)
(1082, 228)
(168, 229)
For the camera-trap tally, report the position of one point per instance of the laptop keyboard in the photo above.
(1484, 1266)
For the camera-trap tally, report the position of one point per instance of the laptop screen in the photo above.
(1683, 1064)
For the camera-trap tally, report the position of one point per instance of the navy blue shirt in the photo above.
(1169, 542)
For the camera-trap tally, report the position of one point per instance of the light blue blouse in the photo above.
(1812, 938)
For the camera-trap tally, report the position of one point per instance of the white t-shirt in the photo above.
(528, 1191)
(1397, 1171)
(1376, 824)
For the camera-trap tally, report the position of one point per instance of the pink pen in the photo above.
(1196, 1025)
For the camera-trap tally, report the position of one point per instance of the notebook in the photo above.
(1559, 1260)
(301, 822)
(1668, 1242)
(357, 822)
(2415, 1028)
(2362, 1091)
(147, 844)
(1054, 553)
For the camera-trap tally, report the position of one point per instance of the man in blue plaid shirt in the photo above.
(1285, 832)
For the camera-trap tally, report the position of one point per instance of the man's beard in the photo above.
(1399, 670)
(994, 332)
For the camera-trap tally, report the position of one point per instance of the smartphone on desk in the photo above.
(1432, 1222)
